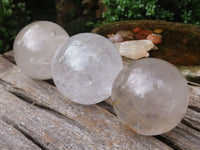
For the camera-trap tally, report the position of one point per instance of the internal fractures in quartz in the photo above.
(150, 96)
(85, 67)
(35, 46)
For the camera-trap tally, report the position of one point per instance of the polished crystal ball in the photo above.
(150, 96)
(85, 67)
(35, 46)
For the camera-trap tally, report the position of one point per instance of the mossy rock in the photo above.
(180, 46)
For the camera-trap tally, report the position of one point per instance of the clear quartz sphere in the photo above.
(150, 96)
(85, 67)
(35, 46)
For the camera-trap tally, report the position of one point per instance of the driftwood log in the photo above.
(34, 115)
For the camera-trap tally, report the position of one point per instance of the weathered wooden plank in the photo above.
(49, 129)
(11, 138)
(10, 56)
(184, 137)
(195, 96)
(105, 127)
(192, 118)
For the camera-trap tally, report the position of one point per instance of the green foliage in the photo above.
(12, 18)
(187, 11)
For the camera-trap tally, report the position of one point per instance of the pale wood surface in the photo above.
(36, 113)
(11, 138)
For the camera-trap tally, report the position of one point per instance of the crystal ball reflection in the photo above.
(85, 67)
(150, 95)
(35, 46)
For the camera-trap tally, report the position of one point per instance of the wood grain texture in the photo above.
(195, 97)
(11, 138)
(192, 118)
(87, 127)
(183, 137)
(51, 130)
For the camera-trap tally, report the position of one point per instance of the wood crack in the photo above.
(9, 57)
(29, 137)
(20, 94)
(50, 81)
(43, 107)
(194, 108)
(189, 125)
(107, 107)
(168, 142)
